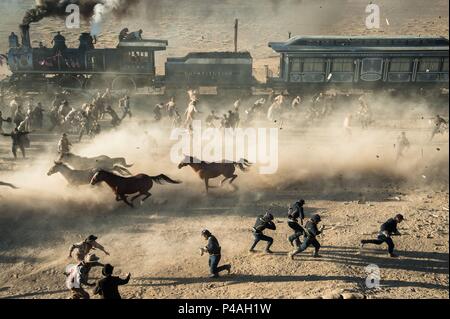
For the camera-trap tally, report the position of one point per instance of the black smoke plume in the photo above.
(57, 8)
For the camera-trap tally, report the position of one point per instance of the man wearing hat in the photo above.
(85, 247)
(262, 223)
(64, 145)
(74, 281)
(296, 212)
(311, 232)
(388, 229)
(214, 250)
(108, 287)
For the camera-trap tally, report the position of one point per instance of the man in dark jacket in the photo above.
(388, 229)
(262, 223)
(311, 232)
(108, 287)
(19, 140)
(214, 250)
(86, 266)
(295, 213)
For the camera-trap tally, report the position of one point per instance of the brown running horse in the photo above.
(206, 171)
(123, 186)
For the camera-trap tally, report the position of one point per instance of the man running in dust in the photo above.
(296, 212)
(438, 124)
(237, 105)
(388, 229)
(190, 114)
(64, 145)
(348, 125)
(311, 232)
(73, 281)
(262, 223)
(124, 105)
(115, 120)
(296, 103)
(86, 266)
(211, 118)
(402, 145)
(192, 95)
(171, 108)
(19, 141)
(78, 275)
(38, 115)
(157, 112)
(83, 248)
(108, 287)
(15, 104)
(214, 250)
(19, 116)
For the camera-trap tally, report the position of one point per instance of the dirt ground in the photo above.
(158, 242)
(354, 183)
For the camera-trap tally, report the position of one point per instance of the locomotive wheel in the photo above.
(96, 83)
(71, 82)
(124, 83)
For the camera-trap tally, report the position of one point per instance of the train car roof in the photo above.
(372, 43)
(212, 55)
(156, 45)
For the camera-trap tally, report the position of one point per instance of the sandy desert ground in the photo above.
(353, 183)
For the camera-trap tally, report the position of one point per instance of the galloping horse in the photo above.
(123, 186)
(206, 171)
(100, 162)
(74, 177)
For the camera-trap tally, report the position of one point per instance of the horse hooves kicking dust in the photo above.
(207, 171)
(138, 185)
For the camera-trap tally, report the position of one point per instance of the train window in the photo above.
(400, 65)
(429, 65)
(295, 65)
(445, 65)
(342, 65)
(372, 65)
(313, 65)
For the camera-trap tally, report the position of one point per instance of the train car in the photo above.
(130, 65)
(320, 62)
(222, 70)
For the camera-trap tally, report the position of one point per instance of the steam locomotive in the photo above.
(306, 63)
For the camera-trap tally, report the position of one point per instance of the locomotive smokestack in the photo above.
(25, 33)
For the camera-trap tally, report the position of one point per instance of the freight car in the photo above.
(221, 70)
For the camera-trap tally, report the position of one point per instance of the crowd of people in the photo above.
(25, 116)
(305, 235)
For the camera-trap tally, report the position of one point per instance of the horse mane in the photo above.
(109, 173)
(195, 160)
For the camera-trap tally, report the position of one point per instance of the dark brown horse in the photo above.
(123, 186)
(206, 170)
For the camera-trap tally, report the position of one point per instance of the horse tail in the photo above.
(163, 178)
(243, 165)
